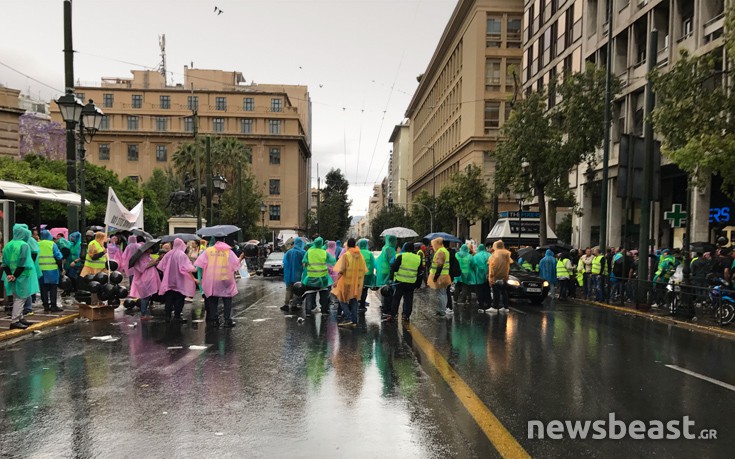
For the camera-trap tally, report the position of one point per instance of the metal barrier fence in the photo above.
(716, 301)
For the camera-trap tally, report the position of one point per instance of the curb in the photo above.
(666, 320)
(10, 334)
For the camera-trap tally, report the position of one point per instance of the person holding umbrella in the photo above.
(178, 281)
(218, 264)
(129, 251)
(146, 281)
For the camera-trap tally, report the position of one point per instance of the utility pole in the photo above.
(197, 162)
(239, 192)
(210, 214)
(72, 221)
(647, 195)
(606, 139)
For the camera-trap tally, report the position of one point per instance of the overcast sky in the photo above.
(360, 58)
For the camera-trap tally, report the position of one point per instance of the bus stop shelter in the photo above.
(14, 191)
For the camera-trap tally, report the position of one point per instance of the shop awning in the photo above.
(23, 192)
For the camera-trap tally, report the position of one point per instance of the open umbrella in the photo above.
(399, 232)
(445, 236)
(530, 255)
(253, 241)
(141, 250)
(702, 247)
(186, 237)
(218, 230)
(139, 232)
(95, 228)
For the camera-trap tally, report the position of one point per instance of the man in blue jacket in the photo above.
(292, 272)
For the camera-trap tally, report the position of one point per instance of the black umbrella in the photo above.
(186, 237)
(141, 250)
(530, 255)
(141, 233)
(218, 230)
(702, 247)
(95, 228)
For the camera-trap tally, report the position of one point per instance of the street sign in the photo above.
(677, 218)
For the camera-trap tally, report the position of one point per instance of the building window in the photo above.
(274, 126)
(248, 105)
(492, 74)
(274, 156)
(133, 152)
(246, 126)
(220, 103)
(189, 124)
(105, 125)
(274, 212)
(108, 100)
(494, 32)
(218, 124)
(137, 101)
(276, 105)
(193, 102)
(104, 152)
(513, 32)
(275, 186)
(492, 116)
(161, 153)
(133, 122)
(161, 123)
(165, 102)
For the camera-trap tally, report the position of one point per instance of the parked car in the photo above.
(526, 285)
(273, 265)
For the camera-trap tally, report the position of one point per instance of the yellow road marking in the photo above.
(498, 435)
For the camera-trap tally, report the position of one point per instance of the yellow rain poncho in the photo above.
(351, 268)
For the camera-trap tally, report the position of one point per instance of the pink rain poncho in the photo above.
(132, 247)
(218, 264)
(145, 279)
(113, 251)
(332, 250)
(177, 271)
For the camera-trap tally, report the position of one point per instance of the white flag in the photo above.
(117, 216)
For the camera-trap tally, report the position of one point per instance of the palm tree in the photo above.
(185, 156)
(227, 154)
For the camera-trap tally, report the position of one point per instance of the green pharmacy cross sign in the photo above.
(676, 217)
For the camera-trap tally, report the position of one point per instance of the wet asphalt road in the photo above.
(273, 387)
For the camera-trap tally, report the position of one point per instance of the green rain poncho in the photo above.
(386, 258)
(479, 264)
(17, 253)
(369, 262)
(35, 249)
(465, 264)
(321, 282)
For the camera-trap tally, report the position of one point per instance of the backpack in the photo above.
(454, 269)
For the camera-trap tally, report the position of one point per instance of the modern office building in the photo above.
(147, 119)
(464, 96)
(696, 26)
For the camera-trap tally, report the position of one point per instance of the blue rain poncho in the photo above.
(547, 268)
(479, 264)
(292, 267)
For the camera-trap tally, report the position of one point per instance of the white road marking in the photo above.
(703, 377)
(193, 354)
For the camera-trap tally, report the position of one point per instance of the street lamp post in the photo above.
(89, 120)
(71, 153)
(519, 200)
(219, 185)
(263, 208)
(431, 215)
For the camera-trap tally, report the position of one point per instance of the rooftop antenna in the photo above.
(162, 45)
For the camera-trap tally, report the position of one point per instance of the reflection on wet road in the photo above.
(274, 387)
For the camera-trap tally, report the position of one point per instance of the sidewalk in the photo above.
(702, 324)
(39, 320)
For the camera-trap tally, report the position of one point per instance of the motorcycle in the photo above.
(722, 302)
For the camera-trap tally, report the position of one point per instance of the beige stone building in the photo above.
(463, 98)
(10, 113)
(147, 119)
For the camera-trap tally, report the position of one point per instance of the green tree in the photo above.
(694, 115)
(552, 141)
(156, 191)
(469, 194)
(387, 217)
(334, 210)
(250, 207)
(444, 214)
